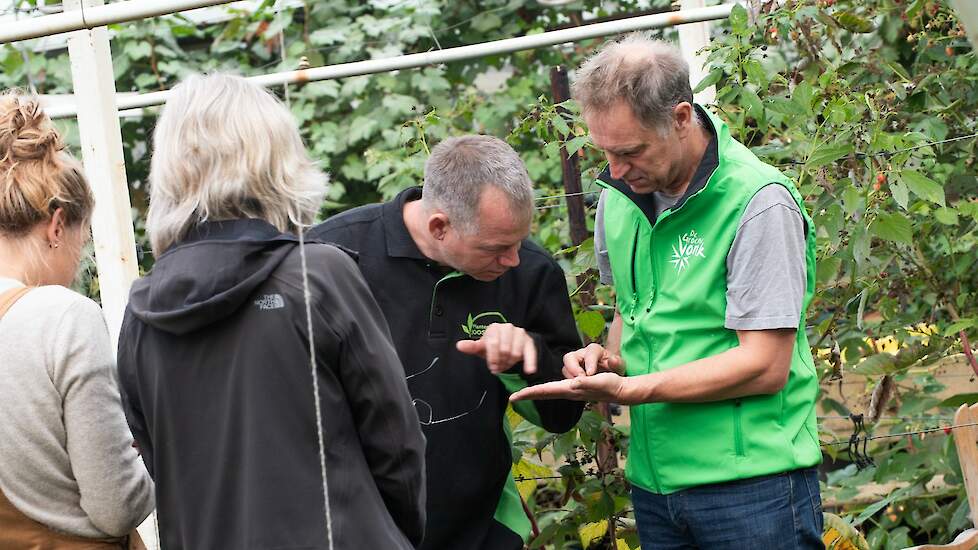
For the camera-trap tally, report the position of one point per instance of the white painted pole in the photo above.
(101, 144)
(89, 17)
(692, 39)
(411, 61)
(967, 11)
(101, 141)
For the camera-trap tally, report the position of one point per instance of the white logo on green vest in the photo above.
(690, 245)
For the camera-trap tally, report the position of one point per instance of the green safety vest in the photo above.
(671, 285)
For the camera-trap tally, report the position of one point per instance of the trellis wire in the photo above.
(903, 434)
(887, 154)
(903, 418)
(562, 195)
(315, 385)
(821, 444)
(884, 154)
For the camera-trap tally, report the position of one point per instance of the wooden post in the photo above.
(101, 143)
(570, 169)
(105, 168)
(692, 38)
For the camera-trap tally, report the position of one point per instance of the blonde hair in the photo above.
(37, 175)
(226, 148)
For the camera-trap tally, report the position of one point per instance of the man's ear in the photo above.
(682, 116)
(55, 228)
(438, 225)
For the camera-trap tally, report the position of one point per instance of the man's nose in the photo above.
(617, 167)
(511, 258)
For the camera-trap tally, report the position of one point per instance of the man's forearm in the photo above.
(737, 372)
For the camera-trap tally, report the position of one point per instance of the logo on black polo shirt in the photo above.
(475, 327)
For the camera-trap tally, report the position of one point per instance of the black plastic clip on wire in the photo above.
(860, 457)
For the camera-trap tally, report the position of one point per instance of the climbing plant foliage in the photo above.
(854, 100)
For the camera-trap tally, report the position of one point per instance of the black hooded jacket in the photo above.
(214, 364)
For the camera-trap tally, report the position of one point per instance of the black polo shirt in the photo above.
(461, 404)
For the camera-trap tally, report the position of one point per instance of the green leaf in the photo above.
(738, 20)
(486, 22)
(893, 226)
(860, 313)
(399, 104)
(852, 22)
(575, 145)
(860, 244)
(898, 70)
(138, 50)
(875, 365)
(592, 531)
(324, 37)
(827, 153)
(852, 200)
(785, 106)
(755, 73)
(803, 95)
(591, 323)
(900, 193)
(362, 128)
(960, 399)
(947, 216)
(922, 186)
(871, 510)
(956, 327)
(827, 269)
(709, 80)
(753, 104)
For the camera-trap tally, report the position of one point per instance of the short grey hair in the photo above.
(649, 75)
(226, 148)
(459, 170)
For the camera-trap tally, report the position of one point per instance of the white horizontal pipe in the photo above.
(92, 17)
(508, 45)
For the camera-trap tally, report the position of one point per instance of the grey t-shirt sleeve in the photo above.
(601, 244)
(766, 266)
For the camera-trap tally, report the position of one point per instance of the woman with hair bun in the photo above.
(69, 476)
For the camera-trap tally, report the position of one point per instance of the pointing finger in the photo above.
(529, 356)
(471, 347)
(592, 355)
(491, 344)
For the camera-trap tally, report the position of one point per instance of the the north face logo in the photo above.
(270, 301)
(689, 246)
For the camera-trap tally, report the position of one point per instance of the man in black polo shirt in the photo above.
(476, 312)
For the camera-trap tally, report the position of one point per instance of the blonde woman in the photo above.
(68, 473)
(214, 356)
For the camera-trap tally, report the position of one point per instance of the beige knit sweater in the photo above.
(66, 458)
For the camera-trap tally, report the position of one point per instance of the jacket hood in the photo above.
(208, 275)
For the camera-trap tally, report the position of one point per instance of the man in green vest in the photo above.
(712, 256)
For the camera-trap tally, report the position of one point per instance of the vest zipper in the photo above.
(631, 312)
(655, 276)
(738, 428)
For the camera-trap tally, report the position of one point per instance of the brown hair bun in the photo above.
(37, 176)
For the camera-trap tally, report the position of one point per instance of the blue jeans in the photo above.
(775, 512)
